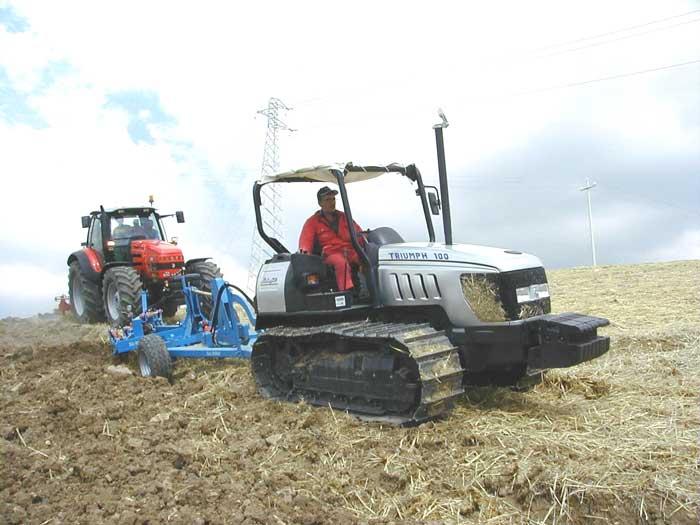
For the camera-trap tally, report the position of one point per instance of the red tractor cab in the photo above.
(127, 251)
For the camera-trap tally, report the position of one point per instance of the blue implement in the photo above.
(196, 336)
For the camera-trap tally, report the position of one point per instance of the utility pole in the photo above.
(587, 188)
(270, 210)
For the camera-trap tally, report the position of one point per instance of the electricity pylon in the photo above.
(270, 209)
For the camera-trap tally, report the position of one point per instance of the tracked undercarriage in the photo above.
(401, 373)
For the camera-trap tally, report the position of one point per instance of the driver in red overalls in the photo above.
(329, 228)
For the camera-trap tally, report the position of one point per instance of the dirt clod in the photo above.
(119, 370)
(610, 441)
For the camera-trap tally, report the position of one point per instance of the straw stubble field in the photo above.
(611, 441)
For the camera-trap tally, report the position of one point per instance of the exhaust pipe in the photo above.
(442, 171)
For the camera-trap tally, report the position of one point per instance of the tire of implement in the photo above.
(153, 358)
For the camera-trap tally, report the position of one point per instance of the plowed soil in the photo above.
(82, 440)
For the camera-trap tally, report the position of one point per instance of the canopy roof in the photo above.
(350, 172)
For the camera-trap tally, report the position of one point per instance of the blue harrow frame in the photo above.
(195, 336)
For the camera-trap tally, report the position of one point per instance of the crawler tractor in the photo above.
(127, 251)
(425, 319)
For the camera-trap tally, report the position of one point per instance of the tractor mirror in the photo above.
(85, 219)
(180, 216)
(434, 203)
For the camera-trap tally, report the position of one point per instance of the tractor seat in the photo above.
(379, 237)
(384, 235)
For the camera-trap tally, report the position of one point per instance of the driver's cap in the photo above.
(325, 191)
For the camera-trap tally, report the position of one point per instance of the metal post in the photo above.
(442, 172)
(587, 188)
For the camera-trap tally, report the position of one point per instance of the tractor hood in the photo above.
(157, 260)
(465, 254)
(158, 248)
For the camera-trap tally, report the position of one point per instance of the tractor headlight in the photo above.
(534, 292)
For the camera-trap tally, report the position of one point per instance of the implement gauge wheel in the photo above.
(153, 358)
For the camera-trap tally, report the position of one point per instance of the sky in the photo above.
(107, 103)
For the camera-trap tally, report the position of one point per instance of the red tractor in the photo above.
(127, 251)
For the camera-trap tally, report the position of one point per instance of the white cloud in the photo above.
(372, 75)
(683, 246)
(31, 281)
(610, 222)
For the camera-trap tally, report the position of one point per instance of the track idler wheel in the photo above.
(272, 367)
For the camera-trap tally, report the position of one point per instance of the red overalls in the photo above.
(336, 247)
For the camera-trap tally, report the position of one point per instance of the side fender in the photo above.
(200, 259)
(90, 263)
(116, 264)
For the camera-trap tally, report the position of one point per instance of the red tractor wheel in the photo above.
(170, 307)
(85, 296)
(207, 270)
(121, 290)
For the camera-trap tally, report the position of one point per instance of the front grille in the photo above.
(414, 286)
(482, 292)
(175, 266)
(492, 296)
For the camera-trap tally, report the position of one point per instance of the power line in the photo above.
(575, 41)
(555, 88)
(538, 90)
(622, 30)
(596, 44)
(511, 182)
(611, 77)
(630, 193)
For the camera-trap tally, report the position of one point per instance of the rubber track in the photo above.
(437, 361)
